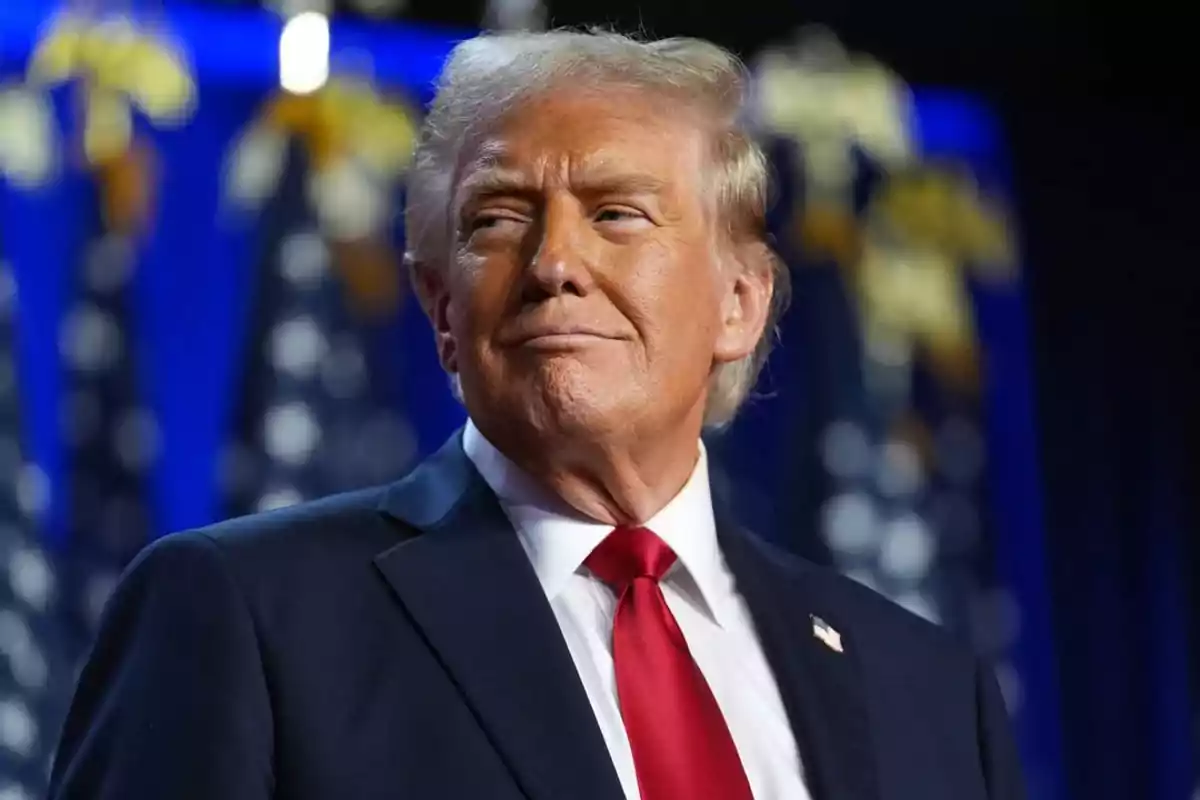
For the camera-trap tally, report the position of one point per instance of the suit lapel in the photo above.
(468, 585)
(821, 687)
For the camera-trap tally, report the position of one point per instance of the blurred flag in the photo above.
(901, 451)
(315, 417)
(115, 76)
(36, 654)
(111, 436)
(319, 175)
(888, 249)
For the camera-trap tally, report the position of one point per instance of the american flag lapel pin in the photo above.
(828, 636)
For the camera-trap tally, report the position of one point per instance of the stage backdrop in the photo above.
(204, 316)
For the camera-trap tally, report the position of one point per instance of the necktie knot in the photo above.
(628, 553)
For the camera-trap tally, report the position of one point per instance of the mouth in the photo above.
(562, 340)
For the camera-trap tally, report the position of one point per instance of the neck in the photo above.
(618, 482)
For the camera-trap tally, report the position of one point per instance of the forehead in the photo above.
(581, 137)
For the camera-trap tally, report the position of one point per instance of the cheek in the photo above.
(475, 295)
(680, 299)
(679, 334)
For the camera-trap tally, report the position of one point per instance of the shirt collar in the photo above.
(557, 538)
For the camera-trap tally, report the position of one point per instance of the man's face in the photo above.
(584, 292)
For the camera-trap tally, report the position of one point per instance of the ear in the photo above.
(746, 303)
(434, 296)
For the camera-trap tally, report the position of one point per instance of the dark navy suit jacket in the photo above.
(395, 643)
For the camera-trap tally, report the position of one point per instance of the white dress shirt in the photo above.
(700, 592)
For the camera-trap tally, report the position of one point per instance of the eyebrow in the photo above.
(490, 181)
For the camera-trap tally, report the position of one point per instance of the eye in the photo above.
(618, 214)
(486, 220)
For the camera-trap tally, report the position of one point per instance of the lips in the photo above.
(569, 333)
(531, 330)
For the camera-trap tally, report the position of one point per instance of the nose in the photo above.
(558, 265)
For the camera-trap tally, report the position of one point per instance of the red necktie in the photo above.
(682, 749)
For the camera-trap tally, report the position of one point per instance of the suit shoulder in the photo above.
(879, 611)
(896, 631)
(186, 552)
(887, 624)
(320, 537)
(332, 516)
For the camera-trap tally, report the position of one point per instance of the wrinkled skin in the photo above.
(590, 293)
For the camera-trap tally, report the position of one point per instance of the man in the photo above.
(551, 607)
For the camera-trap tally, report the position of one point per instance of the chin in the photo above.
(576, 401)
